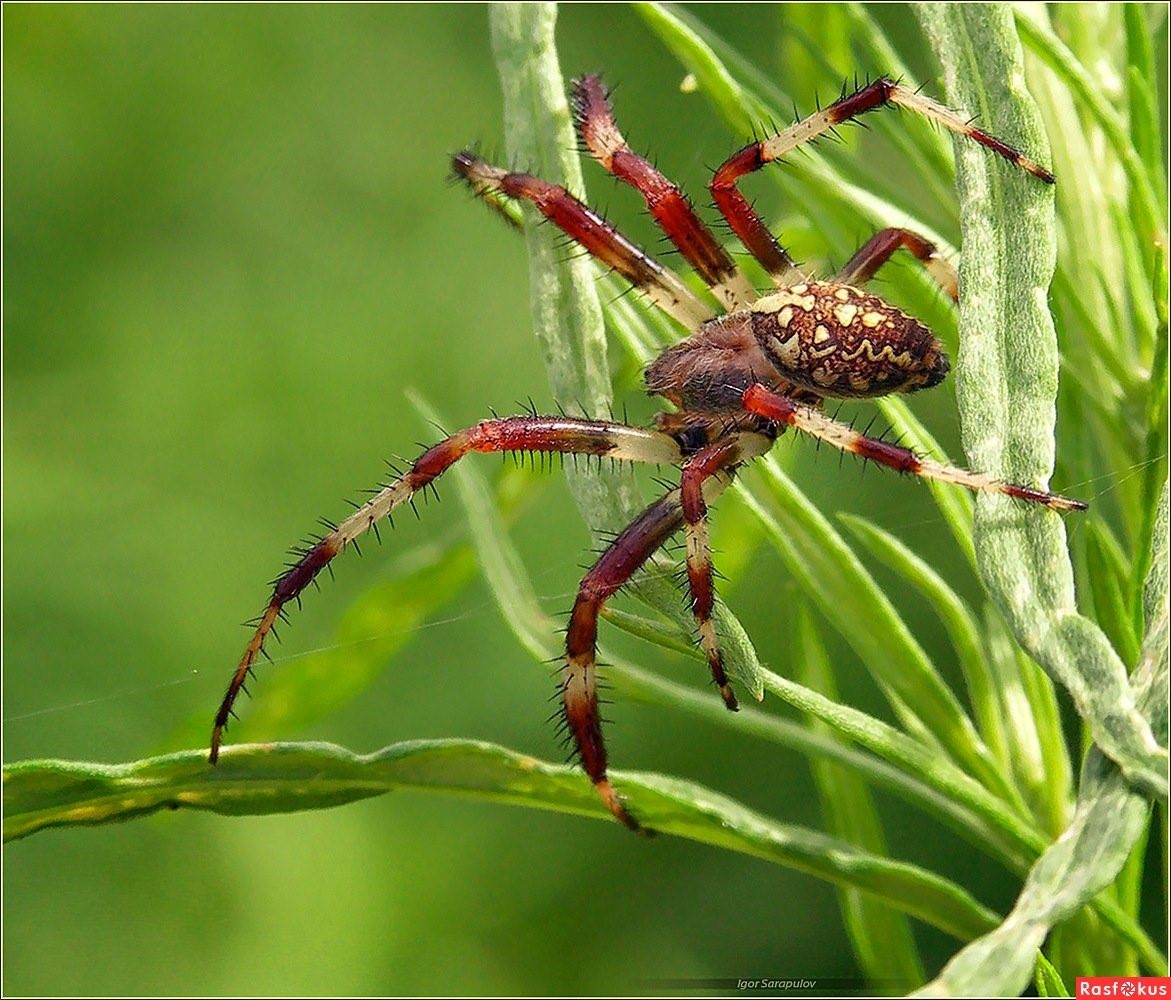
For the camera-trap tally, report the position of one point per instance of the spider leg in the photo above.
(747, 225)
(668, 205)
(705, 476)
(621, 560)
(566, 435)
(583, 225)
(709, 461)
(579, 686)
(877, 250)
(783, 410)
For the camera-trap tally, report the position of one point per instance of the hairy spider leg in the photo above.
(877, 250)
(698, 469)
(783, 410)
(667, 204)
(614, 568)
(747, 225)
(583, 225)
(566, 435)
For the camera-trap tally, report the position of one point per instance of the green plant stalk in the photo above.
(1041, 40)
(1110, 818)
(259, 779)
(881, 937)
(1006, 382)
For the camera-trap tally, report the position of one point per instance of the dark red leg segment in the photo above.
(878, 250)
(668, 205)
(579, 693)
(757, 238)
(699, 468)
(579, 222)
(565, 435)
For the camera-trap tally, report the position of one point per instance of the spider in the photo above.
(738, 380)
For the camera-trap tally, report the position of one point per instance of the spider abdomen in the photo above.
(837, 340)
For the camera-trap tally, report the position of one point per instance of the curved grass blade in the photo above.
(957, 618)
(259, 779)
(880, 936)
(1006, 382)
(1110, 818)
(833, 576)
(1048, 980)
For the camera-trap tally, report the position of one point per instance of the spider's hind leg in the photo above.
(783, 410)
(877, 250)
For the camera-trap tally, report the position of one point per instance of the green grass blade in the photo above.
(1048, 980)
(880, 936)
(1156, 611)
(276, 778)
(567, 318)
(834, 578)
(1039, 759)
(1108, 570)
(954, 505)
(1142, 96)
(957, 619)
(1006, 382)
(1057, 56)
(1154, 453)
(1110, 818)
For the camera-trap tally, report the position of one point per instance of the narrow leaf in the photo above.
(1006, 382)
(881, 937)
(1110, 818)
(275, 778)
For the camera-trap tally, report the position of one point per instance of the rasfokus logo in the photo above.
(1127, 987)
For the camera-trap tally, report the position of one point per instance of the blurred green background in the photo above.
(230, 245)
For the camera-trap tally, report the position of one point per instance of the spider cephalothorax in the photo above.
(738, 380)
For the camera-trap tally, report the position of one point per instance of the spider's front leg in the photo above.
(590, 231)
(783, 410)
(706, 474)
(565, 435)
(667, 204)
